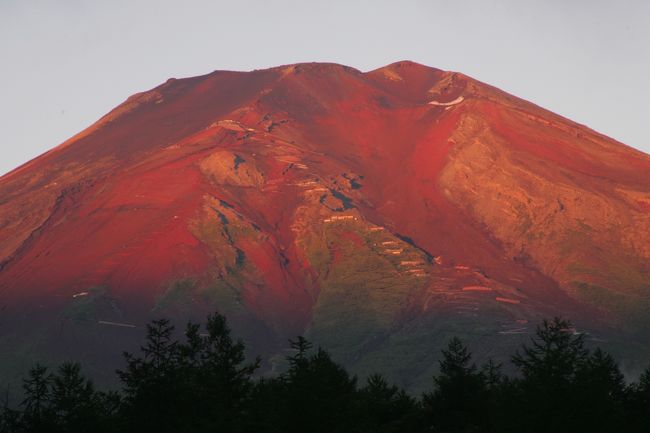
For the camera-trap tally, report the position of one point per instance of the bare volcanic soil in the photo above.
(377, 213)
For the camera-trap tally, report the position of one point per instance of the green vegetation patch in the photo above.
(221, 228)
(223, 297)
(180, 296)
(362, 293)
(184, 297)
(632, 311)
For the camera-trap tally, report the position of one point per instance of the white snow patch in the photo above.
(447, 104)
(122, 325)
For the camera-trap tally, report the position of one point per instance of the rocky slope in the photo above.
(378, 213)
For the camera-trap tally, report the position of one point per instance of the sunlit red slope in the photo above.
(378, 213)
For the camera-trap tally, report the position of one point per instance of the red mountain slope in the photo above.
(376, 212)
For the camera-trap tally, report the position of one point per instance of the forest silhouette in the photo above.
(204, 383)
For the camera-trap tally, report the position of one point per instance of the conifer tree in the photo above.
(319, 392)
(637, 404)
(218, 379)
(385, 408)
(458, 401)
(201, 385)
(73, 400)
(600, 389)
(9, 417)
(550, 366)
(37, 414)
(150, 382)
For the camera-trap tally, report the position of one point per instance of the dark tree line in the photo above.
(205, 384)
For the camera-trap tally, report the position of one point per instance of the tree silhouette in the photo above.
(299, 359)
(582, 389)
(151, 382)
(458, 402)
(218, 379)
(37, 414)
(554, 355)
(637, 404)
(383, 408)
(317, 394)
(73, 400)
(10, 419)
(199, 385)
(600, 389)
(204, 384)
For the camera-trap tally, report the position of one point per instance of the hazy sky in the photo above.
(65, 63)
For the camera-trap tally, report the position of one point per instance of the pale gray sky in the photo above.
(65, 63)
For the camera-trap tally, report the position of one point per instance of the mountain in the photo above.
(377, 213)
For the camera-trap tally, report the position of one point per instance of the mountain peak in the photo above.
(373, 211)
(406, 64)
